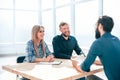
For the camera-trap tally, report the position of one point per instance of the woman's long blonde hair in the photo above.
(35, 30)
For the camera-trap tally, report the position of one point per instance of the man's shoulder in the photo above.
(97, 42)
(57, 37)
(72, 37)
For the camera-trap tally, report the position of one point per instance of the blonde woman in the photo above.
(37, 50)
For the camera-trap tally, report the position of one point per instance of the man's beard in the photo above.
(65, 35)
(97, 33)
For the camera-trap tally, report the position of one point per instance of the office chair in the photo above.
(20, 59)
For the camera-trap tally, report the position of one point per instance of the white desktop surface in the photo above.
(35, 71)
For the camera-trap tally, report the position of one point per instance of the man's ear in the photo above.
(60, 29)
(100, 27)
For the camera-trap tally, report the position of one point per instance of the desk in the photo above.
(35, 71)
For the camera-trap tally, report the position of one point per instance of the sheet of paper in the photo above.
(51, 63)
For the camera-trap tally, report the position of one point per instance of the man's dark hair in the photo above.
(106, 22)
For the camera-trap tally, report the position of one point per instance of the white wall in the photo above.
(16, 21)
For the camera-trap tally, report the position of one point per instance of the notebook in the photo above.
(51, 63)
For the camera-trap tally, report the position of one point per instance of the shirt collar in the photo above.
(106, 34)
(64, 38)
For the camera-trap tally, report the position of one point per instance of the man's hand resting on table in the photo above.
(77, 67)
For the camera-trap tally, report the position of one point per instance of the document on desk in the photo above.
(51, 63)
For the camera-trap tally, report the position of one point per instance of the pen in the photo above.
(83, 53)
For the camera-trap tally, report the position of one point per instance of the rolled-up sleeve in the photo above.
(93, 53)
(30, 52)
(77, 48)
